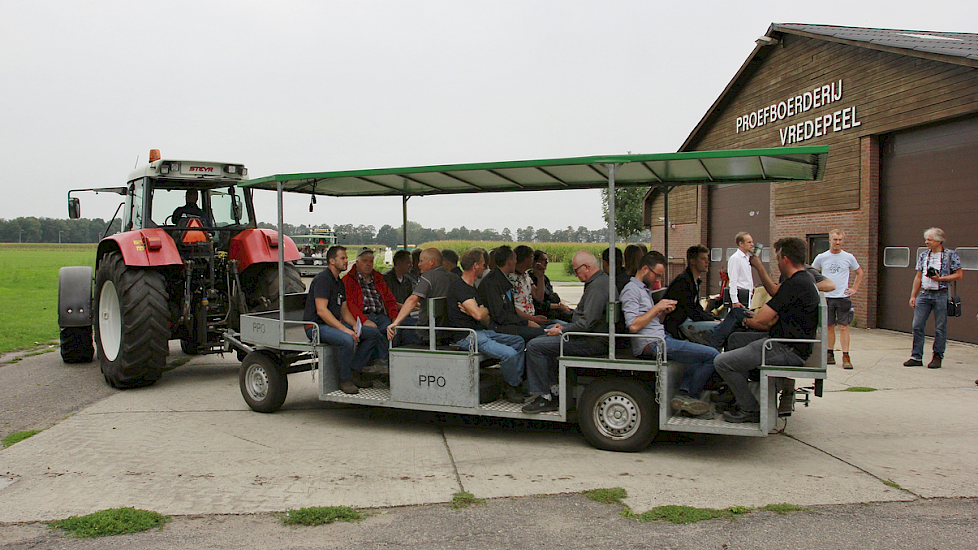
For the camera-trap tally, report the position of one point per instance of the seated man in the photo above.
(550, 305)
(370, 301)
(526, 290)
(464, 311)
(497, 293)
(397, 278)
(685, 290)
(733, 321)
(791, 313)
(433, 283)
(642, 317)
(449, 259)
(589, 316)
(189, 210)
(621, 276)
(326, 307)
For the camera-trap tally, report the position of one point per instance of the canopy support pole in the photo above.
(281, 264)
(404, 199)
(665, 229)
(612, 297)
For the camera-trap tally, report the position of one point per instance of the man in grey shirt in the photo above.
(645, 317)
(590, 316)
(433, 283)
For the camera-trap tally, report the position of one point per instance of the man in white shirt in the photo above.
(738, 269)
(836, 265)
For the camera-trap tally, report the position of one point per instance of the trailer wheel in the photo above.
(76, 345)
(264, 383)
(618, 414)
(132, 327)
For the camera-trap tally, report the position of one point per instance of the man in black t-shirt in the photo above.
(326, 307)
(792, 313)
(464, 311)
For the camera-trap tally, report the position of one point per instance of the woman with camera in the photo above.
(936, 267)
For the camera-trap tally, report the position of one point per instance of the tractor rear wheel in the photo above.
(132, 328)
(260, 286)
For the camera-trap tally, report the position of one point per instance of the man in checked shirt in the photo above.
(370, 300)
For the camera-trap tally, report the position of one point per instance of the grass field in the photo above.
(29, 290)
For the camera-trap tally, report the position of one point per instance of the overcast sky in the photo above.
(89, 87)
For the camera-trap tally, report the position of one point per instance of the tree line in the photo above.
(53, 230)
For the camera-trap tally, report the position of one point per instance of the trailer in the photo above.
(619, 401)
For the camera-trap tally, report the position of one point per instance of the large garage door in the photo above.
(736, 208)
(929, 178)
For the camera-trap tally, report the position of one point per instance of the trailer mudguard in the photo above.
(75, 296)
(149, 247)
(253, 246)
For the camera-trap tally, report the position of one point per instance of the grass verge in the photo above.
(687, 514)
(321, 515)
(17, 437)
(464, 499)
(607, 496)
(116, 521)
(859, 389)
(783, 508)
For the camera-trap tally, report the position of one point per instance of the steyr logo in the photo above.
(201, 168)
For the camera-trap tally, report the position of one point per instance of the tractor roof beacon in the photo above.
(188, 262)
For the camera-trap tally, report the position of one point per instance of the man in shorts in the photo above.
(836, 265)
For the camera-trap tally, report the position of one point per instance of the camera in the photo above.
(931, 272)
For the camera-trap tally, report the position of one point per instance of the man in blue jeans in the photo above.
(936, 267)
(644, 317)
(464, 311)
(326, 307)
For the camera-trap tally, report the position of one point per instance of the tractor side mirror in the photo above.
(74, 208)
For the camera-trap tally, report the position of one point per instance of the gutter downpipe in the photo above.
(281, 264)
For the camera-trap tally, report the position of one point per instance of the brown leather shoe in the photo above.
(846, 363)
(349, 387)
(935, 363)
(830, 359)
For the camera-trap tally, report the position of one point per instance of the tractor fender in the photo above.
(253, 246)
(75, 296)
(143, 248)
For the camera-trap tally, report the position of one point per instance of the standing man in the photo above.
(738, 269)
(836, 265)
(326, 307)
(589, 316)
(791, 313)
(370, 301)
(936, 267)
(464, 311)
(644, 317)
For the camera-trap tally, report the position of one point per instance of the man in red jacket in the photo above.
(370, 300)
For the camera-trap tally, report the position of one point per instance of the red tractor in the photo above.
(188, 262)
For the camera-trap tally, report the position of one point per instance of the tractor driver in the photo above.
(189, 210)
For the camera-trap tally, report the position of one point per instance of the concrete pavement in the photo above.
(190, 445)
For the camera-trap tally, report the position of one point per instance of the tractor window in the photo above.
(165, 201)
(228, 208)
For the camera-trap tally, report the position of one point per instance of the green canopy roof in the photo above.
(690, 168)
